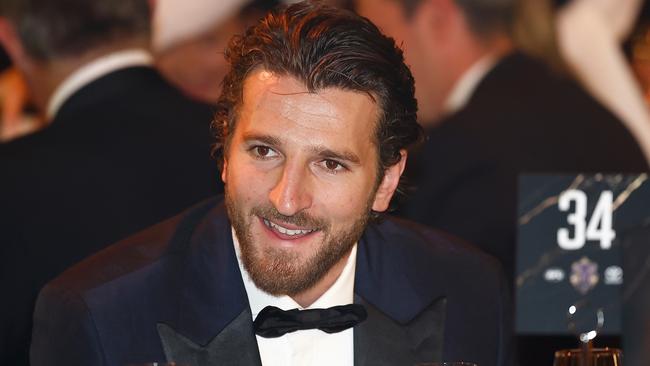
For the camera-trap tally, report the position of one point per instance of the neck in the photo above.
(456, 65)
(312, 294)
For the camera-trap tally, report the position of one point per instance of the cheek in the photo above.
(344, 200)
(247, 183)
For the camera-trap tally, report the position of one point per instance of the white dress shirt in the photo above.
(467, 83)
(305, 347)
(93, 71)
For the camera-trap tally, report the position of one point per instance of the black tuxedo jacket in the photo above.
(124, 152)
(174, 292)
(522, 118)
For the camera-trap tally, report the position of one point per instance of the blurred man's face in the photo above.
(197, 66)
(412, 33)
(301, 178)
(388, 16)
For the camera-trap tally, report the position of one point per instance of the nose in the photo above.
(291, 193)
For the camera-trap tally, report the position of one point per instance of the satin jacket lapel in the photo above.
(212, 322)
(235, 345)
(406, 316)
(381, 340)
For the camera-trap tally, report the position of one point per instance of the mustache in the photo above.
(301, 218)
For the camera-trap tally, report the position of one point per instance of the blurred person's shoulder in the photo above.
(530, 117)
(19, 153)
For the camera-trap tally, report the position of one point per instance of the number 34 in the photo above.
(599, 226)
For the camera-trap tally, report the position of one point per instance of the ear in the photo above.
(389, 184)
(10, 42)
(224, 170)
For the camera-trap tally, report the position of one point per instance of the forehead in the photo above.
(278, 104)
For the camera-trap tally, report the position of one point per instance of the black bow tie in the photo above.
(272, 322)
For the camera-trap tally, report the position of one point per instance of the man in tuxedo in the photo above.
(492, 113)
(122, 150)
(296, 265)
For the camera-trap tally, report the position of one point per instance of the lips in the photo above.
(285, 232)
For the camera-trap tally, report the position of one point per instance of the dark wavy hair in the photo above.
(325, 47)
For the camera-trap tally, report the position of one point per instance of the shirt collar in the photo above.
(93, 71)
(340, 293)
(465, 86)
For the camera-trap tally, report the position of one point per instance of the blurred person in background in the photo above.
(640, 58)
(564, 34)
(123, 148)
(602, 66)
(189, 38)
(493, 112)
(15, 119)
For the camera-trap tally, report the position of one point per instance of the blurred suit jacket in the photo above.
(522, 118)
(174, 292)
(123, 152)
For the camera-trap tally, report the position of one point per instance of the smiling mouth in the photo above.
(291, 233)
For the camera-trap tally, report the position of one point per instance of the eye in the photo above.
(333, 166)
(263, 152)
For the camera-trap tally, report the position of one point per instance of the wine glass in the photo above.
(596, 357)
(587, 355)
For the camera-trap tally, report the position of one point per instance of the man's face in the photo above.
(301, 178)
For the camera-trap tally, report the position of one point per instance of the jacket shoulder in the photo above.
(415, 239)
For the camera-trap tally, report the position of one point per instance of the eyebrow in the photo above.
(267, 139)
(319, 150)
(337, 155)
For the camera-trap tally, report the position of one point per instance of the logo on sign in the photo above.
(554, 275)
(584, 275)
(613, 275)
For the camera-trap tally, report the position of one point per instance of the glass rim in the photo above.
(596, 351)
(447, 363)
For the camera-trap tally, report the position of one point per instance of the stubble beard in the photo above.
(282, 272)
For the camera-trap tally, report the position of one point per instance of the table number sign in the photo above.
(569, 263)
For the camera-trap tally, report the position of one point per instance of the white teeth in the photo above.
(284, 230)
